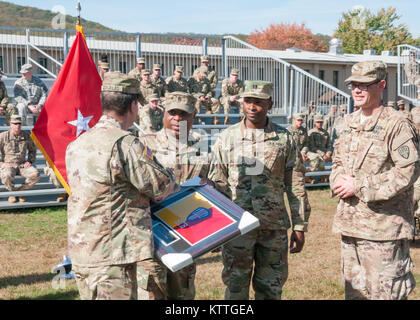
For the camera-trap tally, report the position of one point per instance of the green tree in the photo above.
(360, 29)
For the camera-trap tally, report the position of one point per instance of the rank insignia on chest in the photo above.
(354, 146)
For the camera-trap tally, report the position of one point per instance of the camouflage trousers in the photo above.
(135, 281)
(180, 284)
(316, 163)
(9, 110)
(213, 106)
(376, 270)
(227, 105)
(28, 118)
(7, 175)
(260, 255)
(51, 174)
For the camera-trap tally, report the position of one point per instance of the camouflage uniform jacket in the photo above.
(329, 123)
(135, 73)
(412, 70)
(211, 76)
(186, 161)
(300, 136)
(254, 168)
(407, 114)
(160, 84)
(13, 148)
(30, 92)
(199, 88)
(231, 89)
(146, 90)
(148, 121)
(4, 98)
(109, 220)
(382, 154)
(172, 85)
(320, 142)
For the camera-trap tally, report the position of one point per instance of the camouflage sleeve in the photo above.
(214, 82)
(224, 89)
(218, 171)
(44, 94)
(305, 144)
(142, 99)
(311, 143)
(3, 93)
(31, 150)
(20, 94)
(294, 180)
(145, 172)
(337, 166)
(403, 150)
(1, 150)
(417, 189)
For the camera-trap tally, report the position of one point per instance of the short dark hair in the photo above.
(118, 102)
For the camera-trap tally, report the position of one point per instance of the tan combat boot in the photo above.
(215, 120)
(21, 199)
(12, 199)
(62, 197)
(227, 121)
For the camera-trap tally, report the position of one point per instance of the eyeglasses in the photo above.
(363, 87)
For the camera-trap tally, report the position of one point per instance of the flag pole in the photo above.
(79, 9)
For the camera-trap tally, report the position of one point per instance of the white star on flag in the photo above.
(81, 123)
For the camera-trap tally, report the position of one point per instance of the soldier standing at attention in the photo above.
(30, 93)
(103, 68)
(158, 81)
(186, 161)
(320, 147)
(147, 88)
(177, 82)
(6, 108)
(412, 71)
(14, 145)
(232, 88)
(375, 163)
(254, 163)
(300, 135)
(150, 117)
(403, 110)
(109, 223)
(136, 72)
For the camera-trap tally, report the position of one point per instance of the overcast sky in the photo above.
(222, 16)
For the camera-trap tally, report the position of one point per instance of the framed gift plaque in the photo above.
(194, 221)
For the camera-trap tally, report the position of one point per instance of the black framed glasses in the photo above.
(363, 87)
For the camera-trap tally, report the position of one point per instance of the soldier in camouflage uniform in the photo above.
(136, 72)
(109, 223)
(147, 88)
(391, 104)
(211, 75)
(178, 149)
(14, 145)
(320, 147)
(232, 88)
(103, 68)
(375, 163)
(150, 117)
(6, 108)
(338, 122)
(403, 110)
(158, 81)
(329, 120)
(30, 94)
(254, 163)
(309, 115)
(177, 82)
(412, 71)
(199, 87)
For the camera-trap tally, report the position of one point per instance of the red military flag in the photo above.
(72, 107)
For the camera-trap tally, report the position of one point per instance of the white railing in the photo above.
(409, 73)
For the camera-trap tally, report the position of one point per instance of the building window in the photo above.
(123, 66)
(20, 62)
(43, 62)
(322, 74)
(335, 79)
(1, 63)
(261, 73)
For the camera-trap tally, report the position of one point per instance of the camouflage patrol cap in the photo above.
(16, 119)
(180, 101)
(204, 59)
(179, 69)
(318, 118)
(152, 97)
(234, 72)
(141, 60)
(203, 70)
(119, 82)
(391, 104)
(257, 89)
(157, 66)
(26, 68)
(145, 71)
(298, 116)
(368, 71)
(343, 107)
(400, 102)
(104, 65)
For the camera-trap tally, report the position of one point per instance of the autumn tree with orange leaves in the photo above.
(282, 36)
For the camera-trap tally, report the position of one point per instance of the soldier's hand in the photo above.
(344, 186)
(297, 241)
(304, 157)
(207, 181)
(27, 165)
